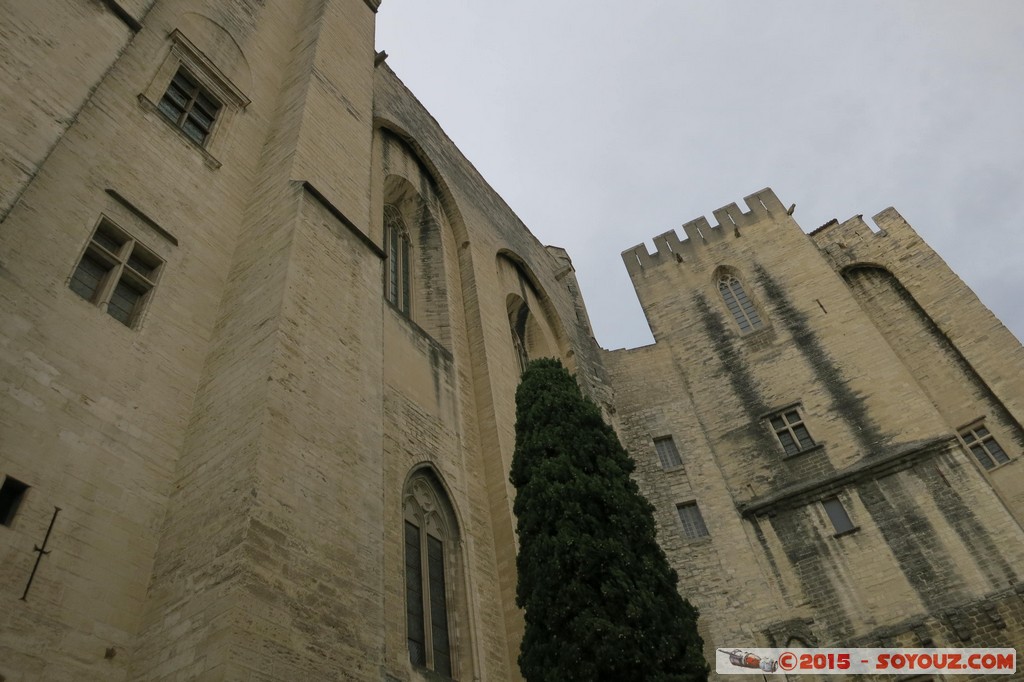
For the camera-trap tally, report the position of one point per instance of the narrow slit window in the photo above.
(438, 607)
(692, 520)
(398, 285)
(838, 516)
(416, 633)
(739, 304)
(984, 446)
(12, 491)
(668, 454)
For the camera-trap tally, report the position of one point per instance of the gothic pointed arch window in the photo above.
(517, 318)
(738, 302)
(397, 283)
(431, 538)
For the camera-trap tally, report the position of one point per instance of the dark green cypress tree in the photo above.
(600, 598)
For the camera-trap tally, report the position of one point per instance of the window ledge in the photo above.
(209, 159)
(691, 542)
(853, 530)
(764, 334)
(405, 319)
(814, 448)
(429, 675)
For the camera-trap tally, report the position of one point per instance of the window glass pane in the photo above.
(968, 437)
(88, 276)
(438, 607)
(778, 424)
(982, 455)
(406, 304)
(803, 436)
(123, 301)
(208, 105)
(788, 444)
(837, 514)
(792, 416)
(693, 522)
(142, 265)
(200, 119)
(182, 81)
(996, 451)
(178, 96)
(414, 596)
(392, 284)
(168, 109)
(193, 131)
(108, 239)
(751, 313)
(668, 455)
(981, 431)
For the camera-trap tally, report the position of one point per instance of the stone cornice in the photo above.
(902, 457)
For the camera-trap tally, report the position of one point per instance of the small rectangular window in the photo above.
(693, 523)
(837, 514)
(116, 273)
(984, 446)
(789, 428)
(189, 107)
(11, 493)
(668, 455)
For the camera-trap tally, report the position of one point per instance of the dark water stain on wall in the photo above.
(969, 529)
(846, 402)
(912, 539)
(810, 557)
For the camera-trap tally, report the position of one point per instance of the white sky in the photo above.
(604, 124)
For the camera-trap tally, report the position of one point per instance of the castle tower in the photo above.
(808, 423)
(154, 263)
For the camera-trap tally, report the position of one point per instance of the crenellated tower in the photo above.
(804, 456)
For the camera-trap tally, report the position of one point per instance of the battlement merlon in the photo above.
(855, 230)
(700, 232)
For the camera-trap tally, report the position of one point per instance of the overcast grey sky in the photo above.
(604, 124)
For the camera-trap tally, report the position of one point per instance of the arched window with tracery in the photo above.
(431, 538)
(397, 284)
(738, 303)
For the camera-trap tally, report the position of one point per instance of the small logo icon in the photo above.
(746, 659)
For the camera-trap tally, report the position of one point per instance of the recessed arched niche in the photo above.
(415, 228)
(534, 329)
